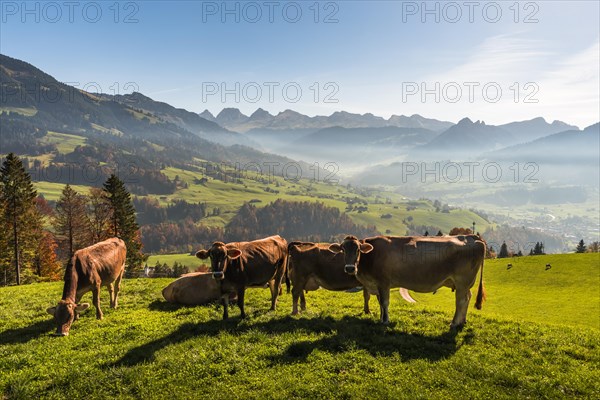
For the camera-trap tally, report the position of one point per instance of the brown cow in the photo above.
(239, 265)
(421, 264)
(312, 266)
(196, 288)
(99, 265)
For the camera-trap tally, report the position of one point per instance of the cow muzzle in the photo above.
(219, 275)
(350, 269)
(61, 334)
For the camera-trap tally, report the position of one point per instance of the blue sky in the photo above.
(376, 56)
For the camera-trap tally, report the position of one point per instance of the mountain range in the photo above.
(157, 133)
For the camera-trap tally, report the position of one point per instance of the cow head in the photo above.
(220, 256)
(351, 247)
(64, 314)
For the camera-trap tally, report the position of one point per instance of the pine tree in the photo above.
(123, 222)
(580, 247)
(439, 233)
(18, 196)
(71, 222)
(503, 251)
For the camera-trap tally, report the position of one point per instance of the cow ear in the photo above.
(233, 253)
(335, 248)
(365, 248)
(82, 307)
(51, 310)
(202, 254)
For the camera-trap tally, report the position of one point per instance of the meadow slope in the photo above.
(150, 349)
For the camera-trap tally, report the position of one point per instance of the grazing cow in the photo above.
(311, 266)
(239, 265)
(194, 289)
(421, 264)
(99, 265)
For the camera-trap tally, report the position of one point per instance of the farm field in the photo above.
(190, 261)
(228, 197)
(151, 349)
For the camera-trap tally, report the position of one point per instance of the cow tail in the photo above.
(288, 283)
(480, 291)
(287, 273)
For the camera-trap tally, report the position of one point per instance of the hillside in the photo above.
(118, 130)
(150, 349)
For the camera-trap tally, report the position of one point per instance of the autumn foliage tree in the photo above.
(99, 215)
(71, 222)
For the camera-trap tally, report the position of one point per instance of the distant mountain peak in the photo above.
(230, 111)
(260, 114)
(207, 115)
(465, 121)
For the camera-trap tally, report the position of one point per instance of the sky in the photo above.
(493, 61)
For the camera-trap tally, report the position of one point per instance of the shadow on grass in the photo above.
(343, 335)
(27, 333)
(161, 305)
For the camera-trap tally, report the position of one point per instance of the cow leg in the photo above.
(275, 284)
(274, 293)
(111, 294)
(225, 303)
(384, 303)
(463, 296)
(240, 294)
(96, 301)
(366, 297)
(78, 297)
(302, 301)
(118, 288)
(298, 293)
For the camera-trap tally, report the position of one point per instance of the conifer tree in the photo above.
(503, 251)
(19, 212)
(123, 222)
(581, 247)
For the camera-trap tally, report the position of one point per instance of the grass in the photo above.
(65, 143)
(565, 294)
(149, 349)
(27, 112)
(190, 261)
(52, 190)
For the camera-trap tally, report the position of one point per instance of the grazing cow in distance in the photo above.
(196, 288)
(99, 265)
(239, 265)
(312, 265)
(421, 264)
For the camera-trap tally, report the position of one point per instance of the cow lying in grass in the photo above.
(194, 289)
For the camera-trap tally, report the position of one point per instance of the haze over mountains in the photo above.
(354, 141)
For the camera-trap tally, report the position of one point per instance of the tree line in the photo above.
(39, 239)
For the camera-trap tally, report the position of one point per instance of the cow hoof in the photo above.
(457, 327)
(99, 317)
(294, 312)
